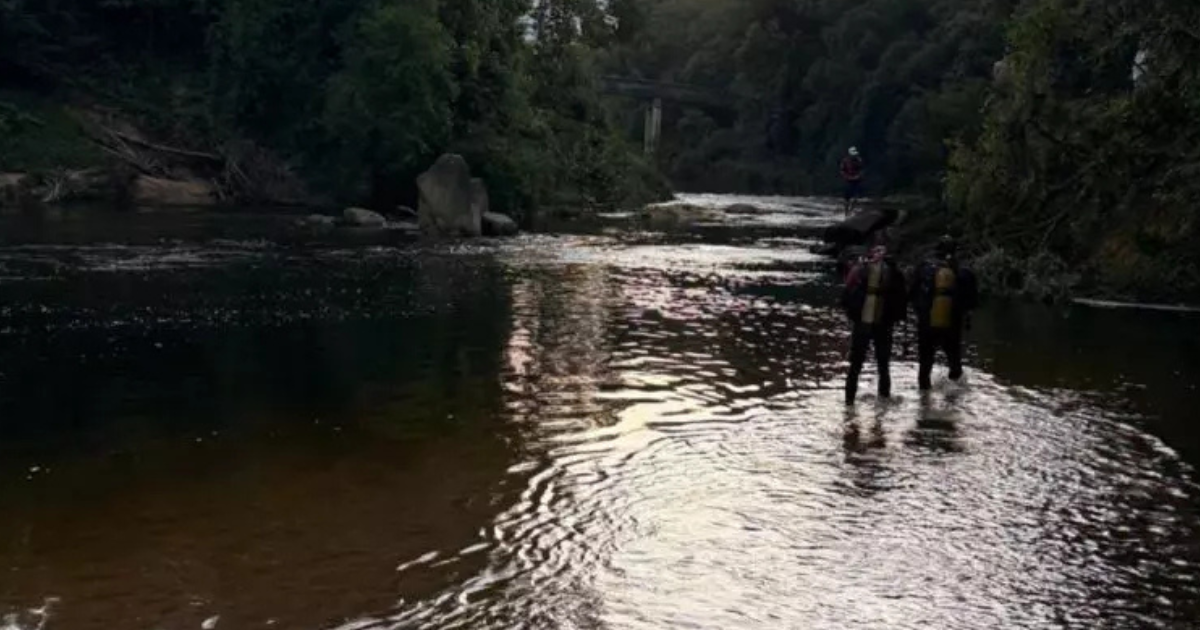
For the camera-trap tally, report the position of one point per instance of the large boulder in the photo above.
(155, 191)
(361, 217)
(496, 224)
(857, 230)
(446, 205)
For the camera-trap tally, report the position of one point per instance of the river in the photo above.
(614, 428)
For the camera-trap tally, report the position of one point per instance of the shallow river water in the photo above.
(616, 429)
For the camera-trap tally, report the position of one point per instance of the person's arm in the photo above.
(853, 279)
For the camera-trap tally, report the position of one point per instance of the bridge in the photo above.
(653, 93)
(674, 92)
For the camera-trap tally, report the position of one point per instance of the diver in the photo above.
(874, 300)
(944, 293)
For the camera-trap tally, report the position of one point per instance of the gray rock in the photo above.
(446, 206)
(496, 224)
(406, 213)
(361, 217)
(480, 202)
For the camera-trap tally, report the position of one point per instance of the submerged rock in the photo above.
(318, 223)
(496, 224)
(677, 214)
(381, 235)
(448, 206)
(361, 217)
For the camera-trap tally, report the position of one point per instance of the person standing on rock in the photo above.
(875, 300)
(852, 168)
(944, 293)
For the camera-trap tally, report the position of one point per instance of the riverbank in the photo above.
(1042, 277)
(58, 150)
(56, 154)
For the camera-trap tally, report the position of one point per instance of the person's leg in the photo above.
(952, 346)
(883, 360)
(859, 340)
(925, 348)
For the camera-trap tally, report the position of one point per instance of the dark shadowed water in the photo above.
(621, 429)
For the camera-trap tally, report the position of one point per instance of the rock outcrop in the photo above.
(154, 191)
(447, 206)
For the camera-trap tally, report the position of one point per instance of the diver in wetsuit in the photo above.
(944, 293)
(874, 300)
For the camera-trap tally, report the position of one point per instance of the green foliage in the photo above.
(358, 96)
(390, 107)
(1077, 160)
(38, 135)
(900, 79)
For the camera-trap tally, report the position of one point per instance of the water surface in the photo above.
(622, 429)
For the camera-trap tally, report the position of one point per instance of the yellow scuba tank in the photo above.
(873, 306)
(942, 313)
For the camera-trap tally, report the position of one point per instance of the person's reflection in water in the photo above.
(853, 437)
(937, 424)
(867, 453)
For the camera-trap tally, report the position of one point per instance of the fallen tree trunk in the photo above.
(186, 153)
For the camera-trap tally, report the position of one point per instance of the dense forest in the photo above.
(355, 96)
(1059, 137)
(807, 80)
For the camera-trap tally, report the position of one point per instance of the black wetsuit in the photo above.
(879, 333)
(964, 297)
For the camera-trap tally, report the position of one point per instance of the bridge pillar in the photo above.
(653, 129)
